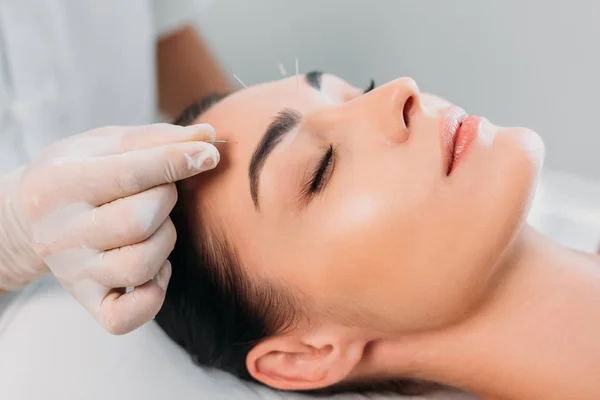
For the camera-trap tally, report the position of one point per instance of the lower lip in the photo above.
(465, 136)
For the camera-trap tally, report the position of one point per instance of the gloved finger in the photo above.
(120, 223)
(109, 178)
(121, 139)
(156, 135)
(123, 312)
(128, 220)
(136, 264)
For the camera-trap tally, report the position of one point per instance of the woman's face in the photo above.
(353, 200)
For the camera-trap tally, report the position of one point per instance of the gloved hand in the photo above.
(94, 209)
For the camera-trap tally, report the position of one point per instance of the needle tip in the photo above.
(213, 141)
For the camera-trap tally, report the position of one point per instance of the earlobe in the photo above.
(293, 363)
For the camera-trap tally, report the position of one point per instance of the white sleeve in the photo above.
(169, 15)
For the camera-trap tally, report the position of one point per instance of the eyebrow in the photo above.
(283, 123)
(314, 79)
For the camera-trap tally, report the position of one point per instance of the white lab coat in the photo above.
(67, 66)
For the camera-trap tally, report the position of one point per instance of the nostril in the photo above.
(406, 111)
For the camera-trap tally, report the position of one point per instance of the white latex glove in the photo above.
(94, 209)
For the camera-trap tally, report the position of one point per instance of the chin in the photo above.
(531, 152)
(531, 145)
(515, 167)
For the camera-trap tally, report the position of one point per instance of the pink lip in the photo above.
(451, 122)
(465, 135)
(458, 132)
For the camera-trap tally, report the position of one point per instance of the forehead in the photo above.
(244, 115)
(222, 196)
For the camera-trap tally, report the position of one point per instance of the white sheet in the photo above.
(51, 349)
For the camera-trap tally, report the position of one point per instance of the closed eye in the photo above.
(320, 176)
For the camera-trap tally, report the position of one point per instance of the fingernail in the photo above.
(206, 158)
(163, 276)
(204, 131)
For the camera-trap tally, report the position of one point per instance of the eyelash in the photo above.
(320, 174)
(370, 87)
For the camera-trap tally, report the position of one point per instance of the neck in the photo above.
(537, 336)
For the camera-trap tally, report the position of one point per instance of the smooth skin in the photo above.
(402, 270)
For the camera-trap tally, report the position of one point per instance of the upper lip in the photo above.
(452, 120)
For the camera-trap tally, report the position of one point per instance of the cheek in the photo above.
(373, 253)
(390, 266)
(378, 205)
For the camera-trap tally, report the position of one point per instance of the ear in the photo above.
(292, 362)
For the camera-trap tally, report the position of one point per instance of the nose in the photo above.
(390, 109)
(406, 95)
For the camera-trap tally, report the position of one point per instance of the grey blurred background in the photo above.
(533, 63)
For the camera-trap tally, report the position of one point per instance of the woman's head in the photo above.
(338, 218)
